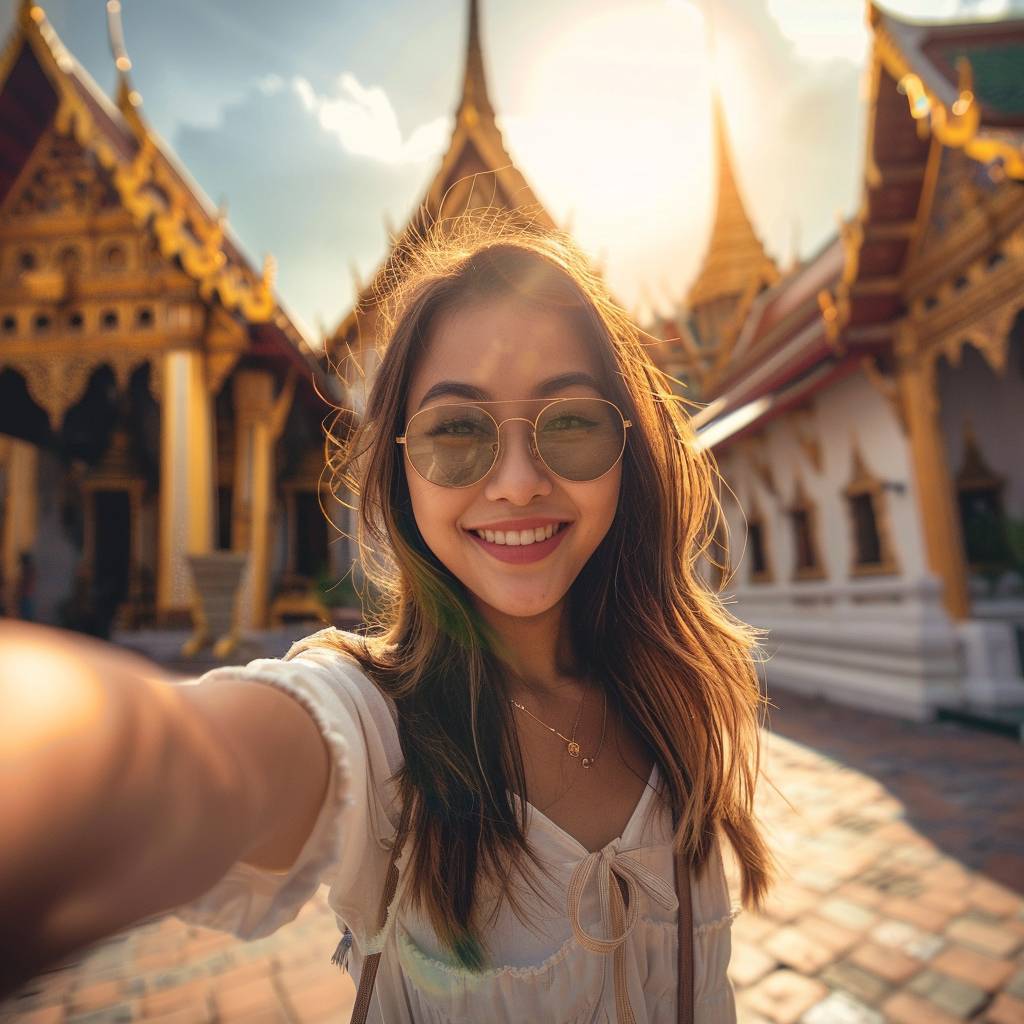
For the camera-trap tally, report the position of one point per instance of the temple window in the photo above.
(144, 317)
(866, 505)
(994, 258)
(9, 324)
(69, 259)
(109, 320)
(760, 572)
(27, 260)
(76, 321)
(982, 516)
(803, 520)
(41, 323)
(115, 257)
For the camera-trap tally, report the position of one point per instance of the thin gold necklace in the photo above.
(571, 746)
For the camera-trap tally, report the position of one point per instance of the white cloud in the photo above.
(364, 122)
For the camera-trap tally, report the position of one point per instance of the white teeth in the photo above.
(518, 538)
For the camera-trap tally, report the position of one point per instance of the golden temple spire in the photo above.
(734, 255)
(128, 98)
(474, 83)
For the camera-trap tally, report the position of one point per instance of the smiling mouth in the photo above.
(520, 538)
(520, 547)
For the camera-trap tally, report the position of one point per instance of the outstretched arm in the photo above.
(123, 795)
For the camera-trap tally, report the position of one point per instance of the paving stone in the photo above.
(995, 940)
(995, 899)
(847, 914)
(748, 963)
(793, 948)
(907, 1008)
(840, 1008)
(835, 937)
(1015, 986)
(784, 996)
(254, 996)
(886, 962)
(984, 971)
(47, 1015)
(952, 995)
(120, 1013)
(929, 919)
(862, 984)
(1005, 1009)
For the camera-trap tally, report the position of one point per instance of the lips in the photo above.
(514, 551)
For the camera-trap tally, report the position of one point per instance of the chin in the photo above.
(505, 601)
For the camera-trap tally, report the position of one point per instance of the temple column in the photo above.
(20, 518)
(187, 459)
(940, 523)
(259, 419)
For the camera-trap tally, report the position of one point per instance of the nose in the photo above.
(519, 475)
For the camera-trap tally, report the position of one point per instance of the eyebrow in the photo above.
(471, 393)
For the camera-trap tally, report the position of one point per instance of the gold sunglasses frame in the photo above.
(498, 424)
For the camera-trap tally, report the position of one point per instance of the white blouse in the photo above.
(568, 964)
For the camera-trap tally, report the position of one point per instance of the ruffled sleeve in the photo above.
(357, 816)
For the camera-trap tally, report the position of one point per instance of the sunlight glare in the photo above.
(615, 117)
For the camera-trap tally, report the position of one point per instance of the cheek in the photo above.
(435, 509)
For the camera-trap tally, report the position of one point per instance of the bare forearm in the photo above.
(114, 801)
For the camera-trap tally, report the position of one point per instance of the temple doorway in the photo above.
(111, 516)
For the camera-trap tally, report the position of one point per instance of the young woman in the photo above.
(552, 726)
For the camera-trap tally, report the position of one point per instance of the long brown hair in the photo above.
(643, 619)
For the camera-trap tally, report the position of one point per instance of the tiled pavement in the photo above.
(903, 853)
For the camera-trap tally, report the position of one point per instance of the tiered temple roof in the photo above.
(934, 90)
(475, 171)
(42, 84)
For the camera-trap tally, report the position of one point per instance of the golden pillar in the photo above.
(19, 512)
(259, 420)
(940, 522)
(187, 459)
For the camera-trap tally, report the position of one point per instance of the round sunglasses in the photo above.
(578, 439)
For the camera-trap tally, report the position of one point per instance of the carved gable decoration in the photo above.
(62, 179)
(963, 184)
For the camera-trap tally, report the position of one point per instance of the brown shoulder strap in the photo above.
(684, 997)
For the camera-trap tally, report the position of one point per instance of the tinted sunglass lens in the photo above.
(451, 445)
(580, 438)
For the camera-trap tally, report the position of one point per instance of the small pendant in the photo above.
(588, 762)
(573, 748)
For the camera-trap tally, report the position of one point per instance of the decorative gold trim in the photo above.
(939, 520)
(956, 126)
(150, 189)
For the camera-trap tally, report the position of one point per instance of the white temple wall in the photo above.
(883, 642)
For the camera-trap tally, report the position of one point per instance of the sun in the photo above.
(613, 122)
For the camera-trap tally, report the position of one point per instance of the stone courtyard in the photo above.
(902, 846)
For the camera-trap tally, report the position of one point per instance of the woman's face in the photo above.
(505, 351)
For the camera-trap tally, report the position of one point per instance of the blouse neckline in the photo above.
(538, 817)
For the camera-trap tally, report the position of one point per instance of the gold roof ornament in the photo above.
(475, 171)
(735, 255)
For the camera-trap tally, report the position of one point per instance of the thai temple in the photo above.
(161, 411)
(867, 408)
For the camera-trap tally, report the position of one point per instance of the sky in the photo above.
(320, 124)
